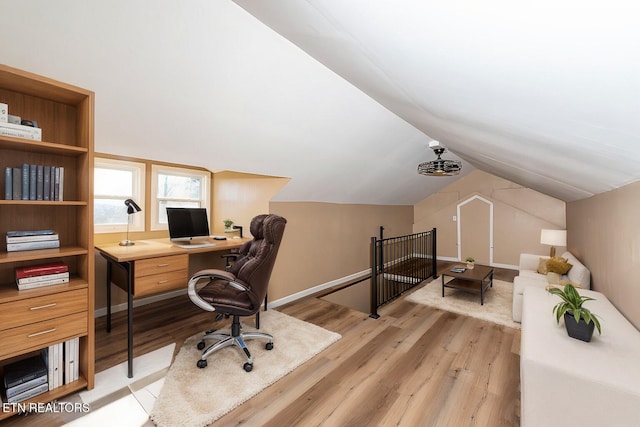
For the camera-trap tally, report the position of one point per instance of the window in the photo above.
(177, 187)
(114, 182)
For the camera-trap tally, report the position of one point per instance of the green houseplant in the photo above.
(227, 224)
(578, 320)
(470, 262)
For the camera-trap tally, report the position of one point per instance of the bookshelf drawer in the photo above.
(163, 282)
(147, 267)
(37, 309)
(38, 335)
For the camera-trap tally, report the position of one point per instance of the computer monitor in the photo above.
(188, 225)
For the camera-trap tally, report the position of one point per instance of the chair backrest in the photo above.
(255, 267)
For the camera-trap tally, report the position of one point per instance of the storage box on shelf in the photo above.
(34, 319)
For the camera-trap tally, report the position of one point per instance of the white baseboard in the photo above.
(318, 288)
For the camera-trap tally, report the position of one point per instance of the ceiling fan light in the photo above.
(440, 167)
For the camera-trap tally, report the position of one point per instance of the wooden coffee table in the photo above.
(476, 280)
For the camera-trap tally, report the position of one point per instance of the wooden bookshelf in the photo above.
(65, 114)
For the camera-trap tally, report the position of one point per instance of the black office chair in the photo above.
(240, 291)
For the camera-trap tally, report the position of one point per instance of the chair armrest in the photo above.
(209, 275)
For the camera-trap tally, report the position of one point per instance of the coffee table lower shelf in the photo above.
(467, 284)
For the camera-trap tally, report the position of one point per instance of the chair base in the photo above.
(236, 338)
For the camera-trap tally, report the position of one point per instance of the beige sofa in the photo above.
(567, 382)
(528, 276)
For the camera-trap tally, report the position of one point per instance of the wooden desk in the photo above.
(150, 267)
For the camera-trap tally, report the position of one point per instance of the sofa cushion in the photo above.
(553, 278)
(579, 273)
(542, 266)
(558, 265)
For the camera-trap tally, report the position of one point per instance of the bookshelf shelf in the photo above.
(65, 115)
(9, 143)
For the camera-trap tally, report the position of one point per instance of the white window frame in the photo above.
(138, 169)
(204, 200)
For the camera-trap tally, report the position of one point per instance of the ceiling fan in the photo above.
(439, 166)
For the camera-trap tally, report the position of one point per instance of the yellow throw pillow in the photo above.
(542, 266)
(558, 265)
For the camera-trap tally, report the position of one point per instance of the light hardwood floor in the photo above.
(414, 366)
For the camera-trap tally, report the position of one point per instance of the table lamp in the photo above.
(553, 238)
(132, 208)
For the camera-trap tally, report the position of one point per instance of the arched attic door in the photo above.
(475, 229)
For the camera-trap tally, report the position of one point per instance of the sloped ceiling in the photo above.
(545, 93)
(344, 96)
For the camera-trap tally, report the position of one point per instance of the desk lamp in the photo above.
(553, 238)
(132, 208)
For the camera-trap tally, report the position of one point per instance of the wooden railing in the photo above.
(400, 263)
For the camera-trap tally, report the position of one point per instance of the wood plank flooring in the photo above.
(414, 366)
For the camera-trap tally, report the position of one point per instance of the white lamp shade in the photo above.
(553, 237)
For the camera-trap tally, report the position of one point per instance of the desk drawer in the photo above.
(38, 335)
(162, 282)
(146, 267)
(32, 310)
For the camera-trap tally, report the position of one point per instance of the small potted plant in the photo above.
(227, 225)
(470, 263)
(578, 320)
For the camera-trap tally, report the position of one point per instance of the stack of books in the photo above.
(36, 276)
(62, 360)
(32, 239)
(15, 127)
(34, 182)
(25, 379)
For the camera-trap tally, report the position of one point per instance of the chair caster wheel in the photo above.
(201, 364)
(248, 367)
(269, 346)
(201, 345)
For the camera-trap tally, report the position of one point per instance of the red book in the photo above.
(41, 270)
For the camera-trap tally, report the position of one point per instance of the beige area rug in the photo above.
(193, 397)
(497, 306)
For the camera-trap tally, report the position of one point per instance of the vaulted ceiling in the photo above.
(343, 96)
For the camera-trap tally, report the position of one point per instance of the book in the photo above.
(24, 370)
(61, 184)
(21, 233)
(42, 278)
(458, 270)
(25, 182)
(20, 131)
(33, 392)
(36, 238)
(4, 113)
(14, 119)
(8, 183)
(17, 184)
(29, 246)
(21, 388)
(71, 348)
(33, 176)
(40, 182)
(41, 270)
(44, 282)
(47, 183)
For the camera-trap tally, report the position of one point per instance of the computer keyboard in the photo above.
(196, 245)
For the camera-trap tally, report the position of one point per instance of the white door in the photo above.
(475, 230)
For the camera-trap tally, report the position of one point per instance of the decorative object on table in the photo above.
(228, 226)
(132, 208)
(553, 238)
(578, 320)
(440, 166)
(470, 263)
